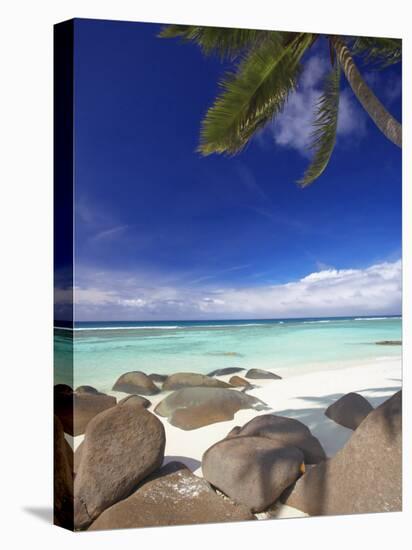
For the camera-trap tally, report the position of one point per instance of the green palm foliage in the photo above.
(325, 123)
(381, 52)
(252, 94)
(226, 43)
(266, 70)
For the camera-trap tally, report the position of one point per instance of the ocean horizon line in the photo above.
(166, 324)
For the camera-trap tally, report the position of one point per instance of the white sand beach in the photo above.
(303, 397)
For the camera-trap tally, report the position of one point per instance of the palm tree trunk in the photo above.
(386, 123)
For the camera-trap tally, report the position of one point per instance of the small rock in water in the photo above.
(389, 343)
(225, 353)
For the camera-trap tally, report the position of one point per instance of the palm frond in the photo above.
(380, 52)
(253, 94)
(227, 43)
(326, 122)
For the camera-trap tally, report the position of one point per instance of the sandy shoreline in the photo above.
(303, 397)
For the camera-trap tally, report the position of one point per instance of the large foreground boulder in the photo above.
(128, 401)
(75, 410)
(135, 382)
(225, 371)
(172, 496)
(191, 408)
(261, 374)
(286, 432)
(253, 471)
(192, 380)
(122, 446)
(364, 476)
(63, 478)
(349, 411)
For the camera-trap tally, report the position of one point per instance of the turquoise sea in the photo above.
(105, 350)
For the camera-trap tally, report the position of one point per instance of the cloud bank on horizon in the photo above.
(375, 290)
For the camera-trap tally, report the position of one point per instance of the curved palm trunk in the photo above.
(386, 123)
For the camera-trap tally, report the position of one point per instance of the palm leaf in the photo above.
(253, 94)
(326, 122)
(225, 42)
(380, 52)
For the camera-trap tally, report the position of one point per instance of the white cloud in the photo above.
(94, 296)
(328, 292)
(376, 289)
(315, 70)
(293, 127)
(351, 120)
(109, 233)
(134, 302)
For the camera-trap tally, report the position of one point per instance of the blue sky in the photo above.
(163, 233)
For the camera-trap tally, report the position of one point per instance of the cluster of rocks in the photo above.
(364, 476)
(255, 463)
(137, 382)
(197, 400)
(274, 459)
(190, 409)
(124, 445)
(115, 479)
